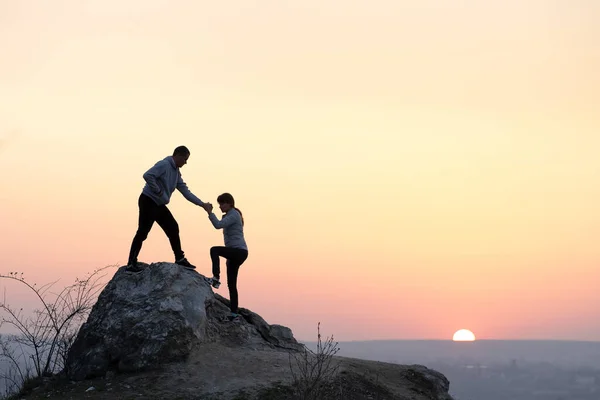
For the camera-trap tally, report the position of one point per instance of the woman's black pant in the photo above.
(235, 258)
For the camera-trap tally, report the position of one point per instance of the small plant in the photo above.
(40, 347)
(313, 371)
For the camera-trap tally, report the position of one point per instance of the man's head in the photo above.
(181, 155)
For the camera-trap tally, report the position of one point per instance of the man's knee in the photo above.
(174, 227)
(171, 229)
(142, 234)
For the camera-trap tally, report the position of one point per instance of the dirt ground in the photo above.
(215, 371)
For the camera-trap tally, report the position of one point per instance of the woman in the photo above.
(235, 250)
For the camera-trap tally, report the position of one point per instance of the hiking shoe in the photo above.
(234, 317)
(134, 268)
(185, 263)
(215, 282)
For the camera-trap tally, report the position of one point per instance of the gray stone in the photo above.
(143, 320)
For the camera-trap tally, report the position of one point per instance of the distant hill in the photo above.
(498, 370)
(565, 353)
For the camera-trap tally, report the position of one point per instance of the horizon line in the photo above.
(450, 340)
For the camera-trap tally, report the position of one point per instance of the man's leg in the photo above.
(168, 224)
(146, 219)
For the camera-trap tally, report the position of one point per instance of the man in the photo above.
(161, 181)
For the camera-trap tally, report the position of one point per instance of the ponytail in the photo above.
(238, 210)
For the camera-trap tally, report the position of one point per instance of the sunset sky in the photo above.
(405, 168)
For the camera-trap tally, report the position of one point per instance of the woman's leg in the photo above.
(215, 253)
(233, 267)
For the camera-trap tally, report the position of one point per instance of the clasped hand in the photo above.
(208, 207)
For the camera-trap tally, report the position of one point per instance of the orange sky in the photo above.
(405, 169)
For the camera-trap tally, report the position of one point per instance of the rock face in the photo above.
(166, 313)
(141, 321)
(429, 381)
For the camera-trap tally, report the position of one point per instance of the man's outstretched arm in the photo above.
(191, 197)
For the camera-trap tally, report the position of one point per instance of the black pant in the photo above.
(149, 213)
(235, 258)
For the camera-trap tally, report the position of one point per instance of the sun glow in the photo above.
(463, 335)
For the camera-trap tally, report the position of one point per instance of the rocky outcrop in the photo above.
(144, 320)
(168, 325)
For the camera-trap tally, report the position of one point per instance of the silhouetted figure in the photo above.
(235, 250)
(161, 181)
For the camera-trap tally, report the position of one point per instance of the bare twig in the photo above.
(45, 336)
(312, 371)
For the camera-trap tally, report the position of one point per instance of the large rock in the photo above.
(141, 321)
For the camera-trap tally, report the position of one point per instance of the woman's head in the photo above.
(226, 203)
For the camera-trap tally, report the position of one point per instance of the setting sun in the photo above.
(463, 335)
